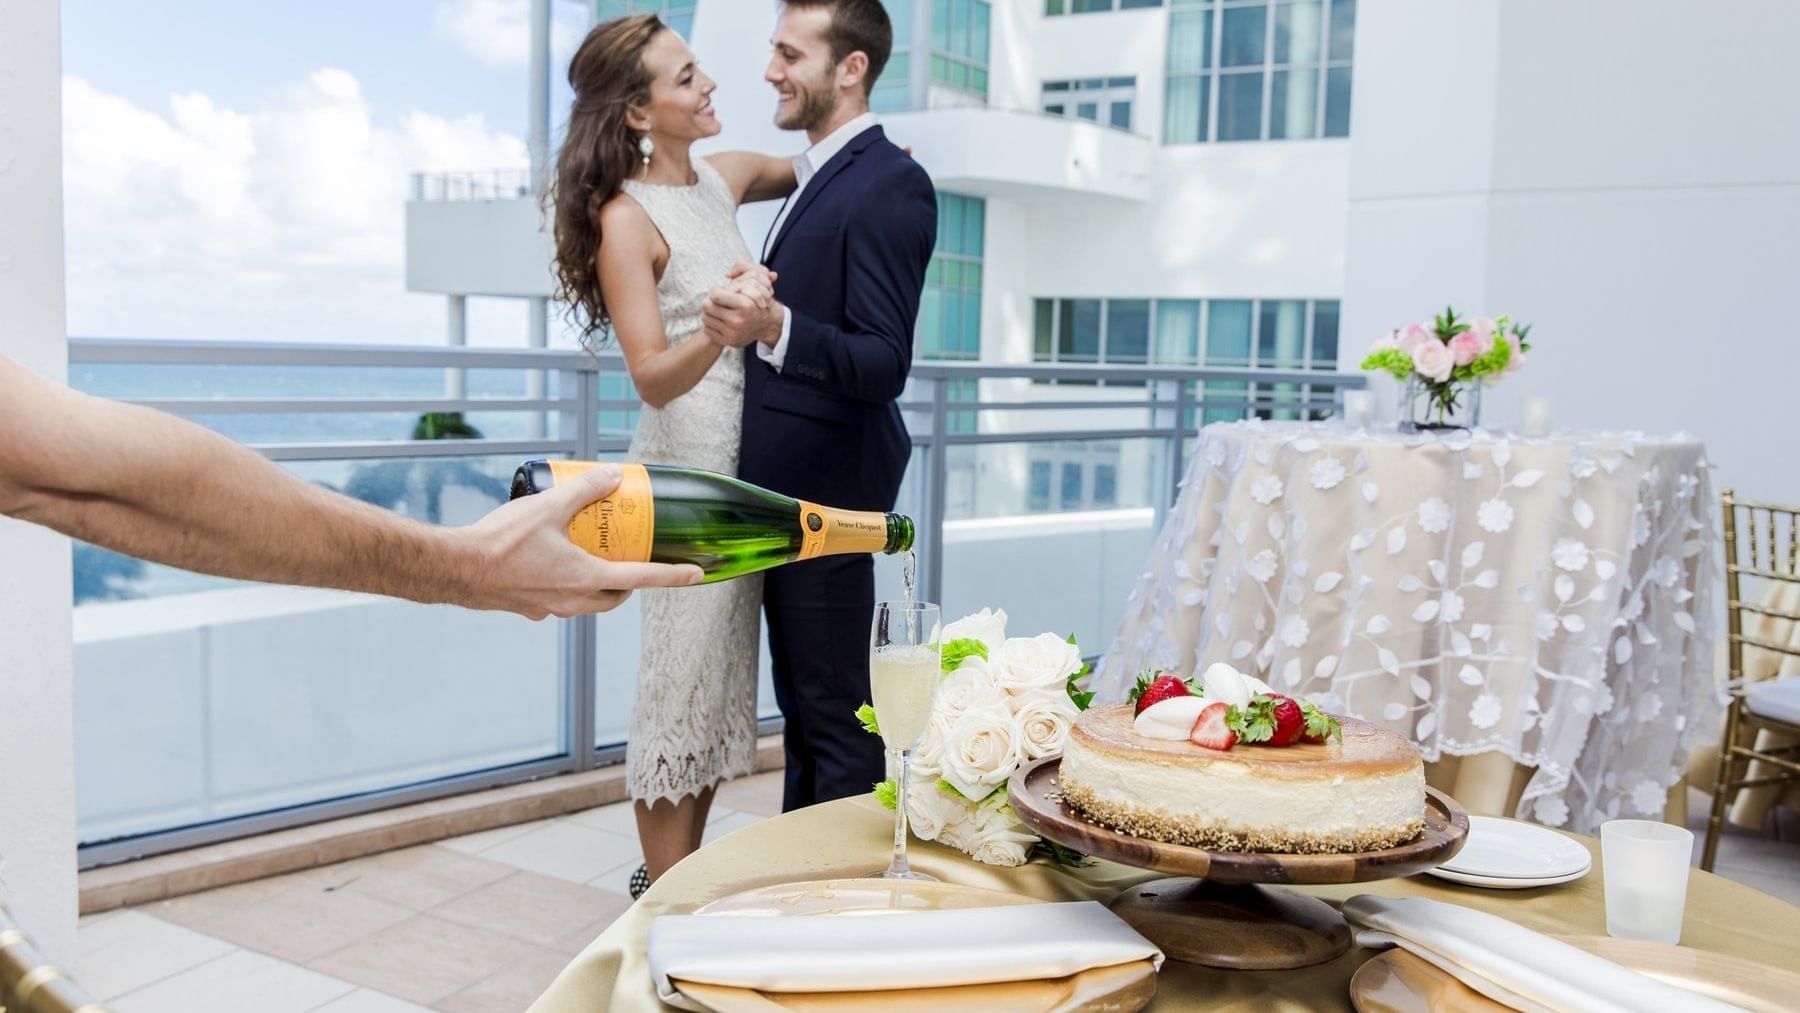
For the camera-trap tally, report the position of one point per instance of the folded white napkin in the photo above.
(1511, 964)
(870, 952)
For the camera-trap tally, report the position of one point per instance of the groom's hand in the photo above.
(736, 320)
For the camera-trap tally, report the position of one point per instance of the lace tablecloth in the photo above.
(1553, 599)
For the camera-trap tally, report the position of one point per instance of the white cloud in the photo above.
(498, 32)
(285, 222)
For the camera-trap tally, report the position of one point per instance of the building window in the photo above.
(962, 392)
(959, 45)
(893, 89)
(1038, 498)
(950, 307)
(1284, 334)
(1106, 485)
(1249, 70)
(1072, 485)
(617, 419)
(939, 46)
(1107, 100)
(677, 14)
(1084, 475)
(1053, 8)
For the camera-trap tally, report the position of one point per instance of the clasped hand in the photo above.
(743, 310)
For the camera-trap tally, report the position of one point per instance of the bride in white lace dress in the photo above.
(644, 232)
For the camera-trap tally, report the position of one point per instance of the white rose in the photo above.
(959, 833)
(1044, 724)
(981, 751)
(929, 808)
(1000, 839)
(989, 627)
(1040, 662)
(973, 686)
(928, 755)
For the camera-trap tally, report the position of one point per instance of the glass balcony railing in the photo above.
(208, 709)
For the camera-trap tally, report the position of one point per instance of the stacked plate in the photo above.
(1510, 855)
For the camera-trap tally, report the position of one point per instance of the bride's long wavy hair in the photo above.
(598, 154)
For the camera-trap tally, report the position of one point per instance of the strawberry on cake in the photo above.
(1229, 765)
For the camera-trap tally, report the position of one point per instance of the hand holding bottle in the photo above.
(723, 525)
(526, 563)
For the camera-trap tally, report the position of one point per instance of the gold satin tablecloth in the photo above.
(852, 837)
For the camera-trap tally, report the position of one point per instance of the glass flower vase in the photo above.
(1427, 406)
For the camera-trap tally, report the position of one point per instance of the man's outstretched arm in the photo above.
(153, 486)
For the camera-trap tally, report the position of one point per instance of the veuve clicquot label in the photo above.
(725, 526)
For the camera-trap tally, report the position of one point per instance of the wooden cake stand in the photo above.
(1216, 909)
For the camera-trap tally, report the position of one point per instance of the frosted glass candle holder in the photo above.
(1537, 417)
(1646, 868)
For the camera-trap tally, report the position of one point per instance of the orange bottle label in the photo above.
(620, 527)
(828, 532)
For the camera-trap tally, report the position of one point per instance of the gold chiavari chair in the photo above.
(1762, 721)
(28, 984)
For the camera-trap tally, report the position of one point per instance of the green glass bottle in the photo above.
(725, 526)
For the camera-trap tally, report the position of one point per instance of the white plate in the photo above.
(1504, 883)
(1509, 849)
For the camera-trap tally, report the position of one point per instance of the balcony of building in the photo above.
(1026, 156)
(477, 232)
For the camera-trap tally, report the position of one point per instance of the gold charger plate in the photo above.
(1121, 987)
(1398, 982)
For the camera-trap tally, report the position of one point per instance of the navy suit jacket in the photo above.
(851, 259)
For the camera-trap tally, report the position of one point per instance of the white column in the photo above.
(1550, 161)
(538, 127)
(456, 333)
(537, 328)
(37, 767)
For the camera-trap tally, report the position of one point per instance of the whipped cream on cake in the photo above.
(1361, 788)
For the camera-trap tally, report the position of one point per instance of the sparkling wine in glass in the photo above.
(903, 679)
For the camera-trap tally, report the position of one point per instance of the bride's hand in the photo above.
(754, 282)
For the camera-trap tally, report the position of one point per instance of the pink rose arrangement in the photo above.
(1448, 354)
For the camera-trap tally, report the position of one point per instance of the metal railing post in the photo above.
(583, 688)
(1174, 444)
(937, 459)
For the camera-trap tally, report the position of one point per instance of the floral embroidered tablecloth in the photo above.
(1550, 599)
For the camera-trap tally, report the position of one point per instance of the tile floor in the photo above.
(480, 923)
(477, 924)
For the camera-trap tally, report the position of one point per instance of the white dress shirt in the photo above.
(806, 166)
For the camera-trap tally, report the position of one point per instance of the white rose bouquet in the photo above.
(1003, 703)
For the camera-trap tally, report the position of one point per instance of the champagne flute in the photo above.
(903, 679)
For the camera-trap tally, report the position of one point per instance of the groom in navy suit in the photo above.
(832, 352)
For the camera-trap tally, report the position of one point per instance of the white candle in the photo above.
(1537, 416)
(1359, 408)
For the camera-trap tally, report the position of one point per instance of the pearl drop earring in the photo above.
(645, 147)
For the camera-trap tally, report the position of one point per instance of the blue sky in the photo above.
(239, 52)
(239, 170)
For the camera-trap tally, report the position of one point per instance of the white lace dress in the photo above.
(694, 720)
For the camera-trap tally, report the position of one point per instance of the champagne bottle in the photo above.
(725, 526)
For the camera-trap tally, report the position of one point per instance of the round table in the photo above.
(852, 837)
(1545, 602)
